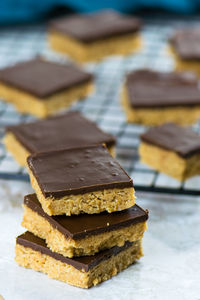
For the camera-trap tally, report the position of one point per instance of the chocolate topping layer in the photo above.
(85, 263)
(79, 227)
(43, 78)
(186, 43)
(70, 130)
(148, 88)
(183, 141)
(77, 171)
(94, 27)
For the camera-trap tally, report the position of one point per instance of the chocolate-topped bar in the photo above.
(84, 234)
(89, 32)
(86, 271)
(172, 149)
(74, 181)
(69, 130)
(185, 49)
(186, 43)
(96, 26)
(166, 97)
(41, 87)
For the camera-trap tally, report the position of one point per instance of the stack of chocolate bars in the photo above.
(83, 224)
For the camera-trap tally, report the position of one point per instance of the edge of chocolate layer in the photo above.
(79, 187)
(84, 263)
(107, 23)
(20, 131)
(184, 141)
(84, 225)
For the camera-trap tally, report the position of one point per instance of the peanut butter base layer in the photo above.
(93, 51)
(20, 153)
(59, 270)
(27, 103)
(169, 162)
(91, 203)
(156, 116)
(65, 245)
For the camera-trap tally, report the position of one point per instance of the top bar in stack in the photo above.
(82, 180)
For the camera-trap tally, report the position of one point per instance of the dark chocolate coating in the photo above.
(77, 171)
(70, 130)
(186, 43)
(93, 27)
(184, 141)
(79, 227)
(43, 78)
(85, 263)
(151, 89)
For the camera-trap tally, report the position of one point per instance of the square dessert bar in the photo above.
(69, 130)
(167, 97)
(41, 88)
(185, 49)
(172, 149)
(91, 37)
(82, 180)
(85, 271)
(84, 234)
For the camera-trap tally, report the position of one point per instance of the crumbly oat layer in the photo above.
(156, 116)
(184, 65)
(56, 269)
(27, 103)
(169, 162)
(89, 245)
(20, 153)
(83, 52)
(91, 203)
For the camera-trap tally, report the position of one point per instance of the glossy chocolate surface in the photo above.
(77, 171)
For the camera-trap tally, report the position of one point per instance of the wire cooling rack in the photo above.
(103, 107)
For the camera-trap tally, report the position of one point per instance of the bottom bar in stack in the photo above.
(81, 250)
(86, 271)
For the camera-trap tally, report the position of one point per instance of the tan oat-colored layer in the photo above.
(20, 153)
(27, 103)
(91, 203)
(169, 162)
(83, 52)
(56, 269)
(156, 116)
(184, 65)
(89, 245)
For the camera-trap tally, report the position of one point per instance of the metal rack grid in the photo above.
(103, 107)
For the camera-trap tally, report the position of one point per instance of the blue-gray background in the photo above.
(19, 11)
